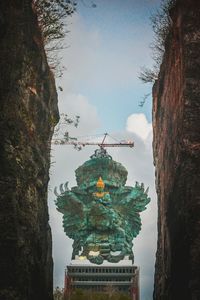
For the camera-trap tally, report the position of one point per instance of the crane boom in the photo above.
(102, 145)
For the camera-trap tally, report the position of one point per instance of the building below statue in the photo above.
(122, 277)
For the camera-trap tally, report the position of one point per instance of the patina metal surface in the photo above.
(101, 214)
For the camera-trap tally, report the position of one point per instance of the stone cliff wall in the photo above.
(28, 113)
(176, 125)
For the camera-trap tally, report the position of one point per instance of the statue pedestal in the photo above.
(122, 277)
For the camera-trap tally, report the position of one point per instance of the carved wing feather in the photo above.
(73, 213)
(129, 203)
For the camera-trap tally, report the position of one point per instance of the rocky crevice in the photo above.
(176, 111)
(28, 114)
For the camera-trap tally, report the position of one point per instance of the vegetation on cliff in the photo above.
(52, 22)
(79, 294)
(161, 25)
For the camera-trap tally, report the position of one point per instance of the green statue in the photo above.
(101, 214)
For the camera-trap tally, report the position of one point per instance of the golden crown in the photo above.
(100, 183)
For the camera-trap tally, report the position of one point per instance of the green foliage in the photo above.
(61, 132)
(79, 294)
(148, 74)
(52, 16)
(161, 24)
(58, 294)
(144, 98)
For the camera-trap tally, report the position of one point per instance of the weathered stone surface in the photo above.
(28, 113)
(176, 123)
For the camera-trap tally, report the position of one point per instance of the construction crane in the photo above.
(101, 144)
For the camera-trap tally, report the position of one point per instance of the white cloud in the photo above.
(77, 104)
(137, 123)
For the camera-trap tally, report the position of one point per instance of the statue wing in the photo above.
(74, 216)
(129, 204)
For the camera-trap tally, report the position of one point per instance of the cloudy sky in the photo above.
(106, 47)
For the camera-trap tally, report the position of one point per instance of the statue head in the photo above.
(113, 173)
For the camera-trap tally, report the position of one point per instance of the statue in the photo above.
(101, 214)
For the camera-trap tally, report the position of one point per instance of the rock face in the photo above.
(28, 113)
(176, 123)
